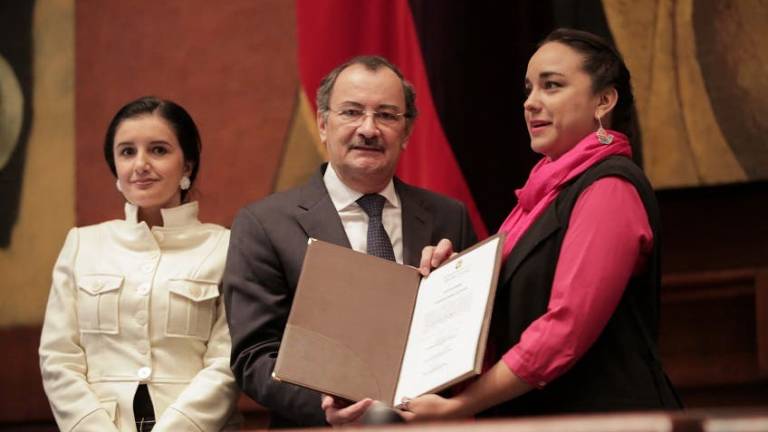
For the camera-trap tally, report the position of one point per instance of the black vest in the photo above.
(621, 370)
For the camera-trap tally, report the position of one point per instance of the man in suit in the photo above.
(365, 115)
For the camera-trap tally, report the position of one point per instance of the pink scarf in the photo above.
(547, 179)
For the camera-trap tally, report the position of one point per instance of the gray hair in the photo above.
(372, 63)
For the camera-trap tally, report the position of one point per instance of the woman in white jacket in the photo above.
(135, 335)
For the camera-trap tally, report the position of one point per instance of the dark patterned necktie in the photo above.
(378, 240)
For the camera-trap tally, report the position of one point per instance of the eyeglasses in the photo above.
(356, 116)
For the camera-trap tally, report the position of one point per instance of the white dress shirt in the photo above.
(354, 218)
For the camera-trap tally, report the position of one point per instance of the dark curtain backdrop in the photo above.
(16, 48)
(476, 55)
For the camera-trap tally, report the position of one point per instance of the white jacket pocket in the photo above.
(98, 297)
(191, 308)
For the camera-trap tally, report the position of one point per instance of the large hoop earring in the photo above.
(603, 137)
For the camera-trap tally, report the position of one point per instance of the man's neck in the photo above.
(364, 185)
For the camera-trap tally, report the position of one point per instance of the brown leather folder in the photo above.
(349, 323)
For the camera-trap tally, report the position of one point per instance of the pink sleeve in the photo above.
(608, 240)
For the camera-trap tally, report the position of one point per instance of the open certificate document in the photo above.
(448, 331)
(363, 327)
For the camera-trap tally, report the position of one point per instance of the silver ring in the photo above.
(403, 405)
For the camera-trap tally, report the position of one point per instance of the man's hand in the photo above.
(339, 412)
(433, 256)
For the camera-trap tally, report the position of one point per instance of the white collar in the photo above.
(344, 196)
(182, 215)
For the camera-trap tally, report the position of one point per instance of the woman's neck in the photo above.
(152, 217)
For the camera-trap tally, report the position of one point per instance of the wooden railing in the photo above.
(755, 420)
(713, 342)
(714, 336)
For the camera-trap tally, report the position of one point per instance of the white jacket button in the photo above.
(143, 289)
(144, 373)
(98, 285)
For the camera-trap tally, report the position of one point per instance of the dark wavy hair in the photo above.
(179, 119)
(605, 66)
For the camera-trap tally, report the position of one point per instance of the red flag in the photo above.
(331, 32)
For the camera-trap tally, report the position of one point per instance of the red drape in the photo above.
(332, 31)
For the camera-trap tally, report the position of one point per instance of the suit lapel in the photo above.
(417, 223)
(545, 226)
(317, 215)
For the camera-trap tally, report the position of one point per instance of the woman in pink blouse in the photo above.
(575, 321)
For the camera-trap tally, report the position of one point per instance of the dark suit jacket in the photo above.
(266, 251)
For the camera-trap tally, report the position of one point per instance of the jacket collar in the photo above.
(318, 216)
(182, 215)
(344, 196)
(417, 218)
(320, 220)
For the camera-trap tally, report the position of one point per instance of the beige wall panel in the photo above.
(682, 141)
(303, 151)
(231, 64)
(47, 203)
